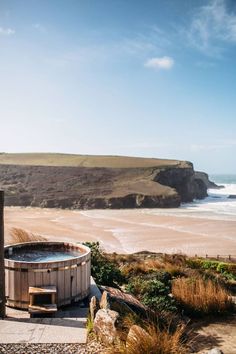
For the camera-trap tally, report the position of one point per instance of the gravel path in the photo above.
(92, 348)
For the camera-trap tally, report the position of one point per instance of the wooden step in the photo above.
(42, 290)
(43, 308)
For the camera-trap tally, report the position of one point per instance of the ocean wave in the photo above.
(217, 206)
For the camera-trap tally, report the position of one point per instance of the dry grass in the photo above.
(174, 269)
(199, 296)
(134, 269)
(175, 259)
(153, 341)
(141, 267)
(53, 159)
(154, 264)
(19, 236)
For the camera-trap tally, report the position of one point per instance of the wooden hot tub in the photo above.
(63, 266)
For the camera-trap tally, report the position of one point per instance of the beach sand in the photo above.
(127, 231)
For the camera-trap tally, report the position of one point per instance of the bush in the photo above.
(152, 293)
(151, 340)
(209, 265)
(227, 270)
(201, 297)
(104, 271)
(163, 276)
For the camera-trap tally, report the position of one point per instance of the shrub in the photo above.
(152, 340)
(209, 265)
(156, 296)
(163, 276)
(152, 293)
(227, 270)
(135, 286)
(201, 297)
(194, 263)
(104, 271)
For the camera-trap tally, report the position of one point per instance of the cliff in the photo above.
(98, 182)
(205, 178)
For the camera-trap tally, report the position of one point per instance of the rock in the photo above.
(121, 307)
(94, 307)
(105, 325)
(215, 351)
(232, 196)
(205, 178)
(124, 303)
(104, 302)
(188, 183)
(135, 335)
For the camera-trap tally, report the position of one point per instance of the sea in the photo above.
(217, 206)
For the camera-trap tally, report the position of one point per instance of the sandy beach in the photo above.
(127, 231)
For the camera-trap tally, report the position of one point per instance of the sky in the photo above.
(152, 78)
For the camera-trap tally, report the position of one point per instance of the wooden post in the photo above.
(2, 269)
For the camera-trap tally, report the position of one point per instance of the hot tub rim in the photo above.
(86, 248)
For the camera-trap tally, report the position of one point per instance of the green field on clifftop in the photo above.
(54, 159)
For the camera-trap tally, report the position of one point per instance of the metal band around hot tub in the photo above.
(42, 270)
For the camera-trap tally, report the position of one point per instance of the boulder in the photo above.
(104, 302)
(105, 325)
(121, 307)
(232, 196)
(123, 302)
(93, 307)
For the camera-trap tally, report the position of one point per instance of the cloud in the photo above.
(212, 26)
(164, 63)
(6, 31)
(39, 27)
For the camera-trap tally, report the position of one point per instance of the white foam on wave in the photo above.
(217, 206)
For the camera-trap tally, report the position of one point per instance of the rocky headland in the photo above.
(98, 182)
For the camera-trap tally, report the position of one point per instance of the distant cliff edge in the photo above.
(99, 182)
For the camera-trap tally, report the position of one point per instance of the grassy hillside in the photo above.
(53, 159)
(94, 182)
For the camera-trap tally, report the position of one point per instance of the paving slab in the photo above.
(68, 325)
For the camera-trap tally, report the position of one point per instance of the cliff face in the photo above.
(188, 185)
(100, 188)
(205, 178)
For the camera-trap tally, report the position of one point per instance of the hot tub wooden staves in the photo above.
(70, 277)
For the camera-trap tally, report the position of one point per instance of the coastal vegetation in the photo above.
(103, 270)
(169, 293)
(19, 235)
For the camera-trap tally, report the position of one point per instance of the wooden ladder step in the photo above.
(43, 308)
(42, 290)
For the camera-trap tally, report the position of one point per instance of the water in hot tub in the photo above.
(43, 255)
